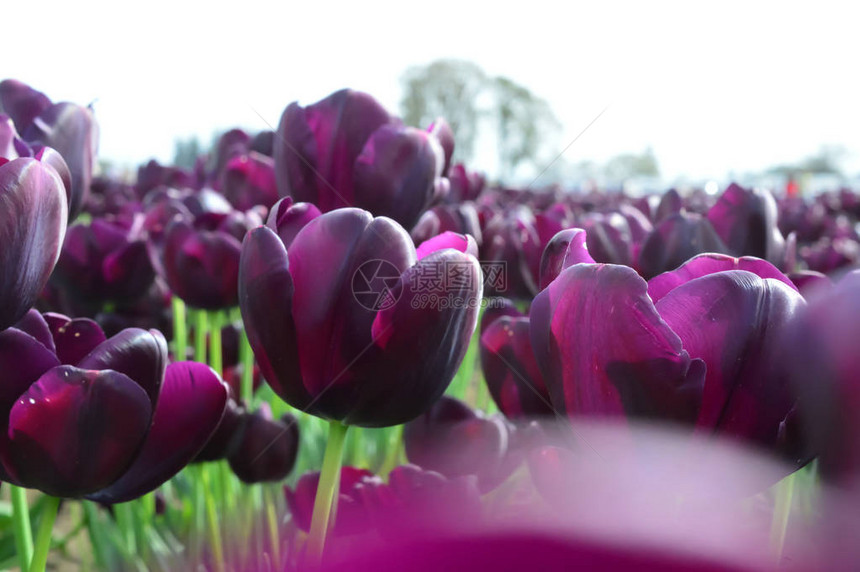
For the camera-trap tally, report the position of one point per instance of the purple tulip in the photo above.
(202, 266)
(702, 349)
(452, 439)
(609, 239)
(676, 239)
(33, 214)
(249, 180)
(96, 417)
(460, 218)
(746, 221)
(267, 448)
(347, 151)
(227, 436)
(416, 502)
(105, 261)
(511, 238)
(465, 185)
(510, 370)
(153, 175)
(348, 324)
(69, 128)
(670, 204)
(351, 513)
(263, 143)
(821, 352)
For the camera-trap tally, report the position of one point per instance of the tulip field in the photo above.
(332, 347)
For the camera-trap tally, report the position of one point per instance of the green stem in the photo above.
(246, 355)
(781, 511)
(216, 360)
(329, 477)
(43, 536)
(180, 331)
(200, 328)
(125, 520)
(274, 533)
(23, 531)
(395, 444)
(212, 523)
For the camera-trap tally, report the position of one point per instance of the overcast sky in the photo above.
(712, 87)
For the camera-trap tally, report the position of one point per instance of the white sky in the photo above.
(712, 87)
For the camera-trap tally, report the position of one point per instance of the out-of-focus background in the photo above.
(640, 95)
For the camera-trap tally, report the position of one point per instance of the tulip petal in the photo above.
(675, 240)
(37, 326)
(21, 102)
(190, 407)
(396, 171)
(72, 130)
(604, 350)
(76, 339)
(32, 225)
(426, 326)
(287, 218)
(734, 321)
(31, 359)
(510, 370)
(705, 264)
(139, 354)
(565, 249)
(265, 297)
(461, 242)
(76, 431)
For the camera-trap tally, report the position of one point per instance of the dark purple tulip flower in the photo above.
(96, 417)
(445, 135)
(263, 143)
(249, 180)
(822, 354)
(676, 239)
(105, 261)
(33, 215)
(670, 204)
(351, 514)
(466, 185)
(201, 266)
(267, 448)
(746, 221)
(350, 323)
(415, 501)
(153, 175)
(69, 128)
(460, 218)
(227, 436)
(510, 370)
(452, 439)
(347, 151)
(698, 345)
(610, 239)
(510, 238)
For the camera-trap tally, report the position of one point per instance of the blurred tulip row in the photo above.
(329, 347)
